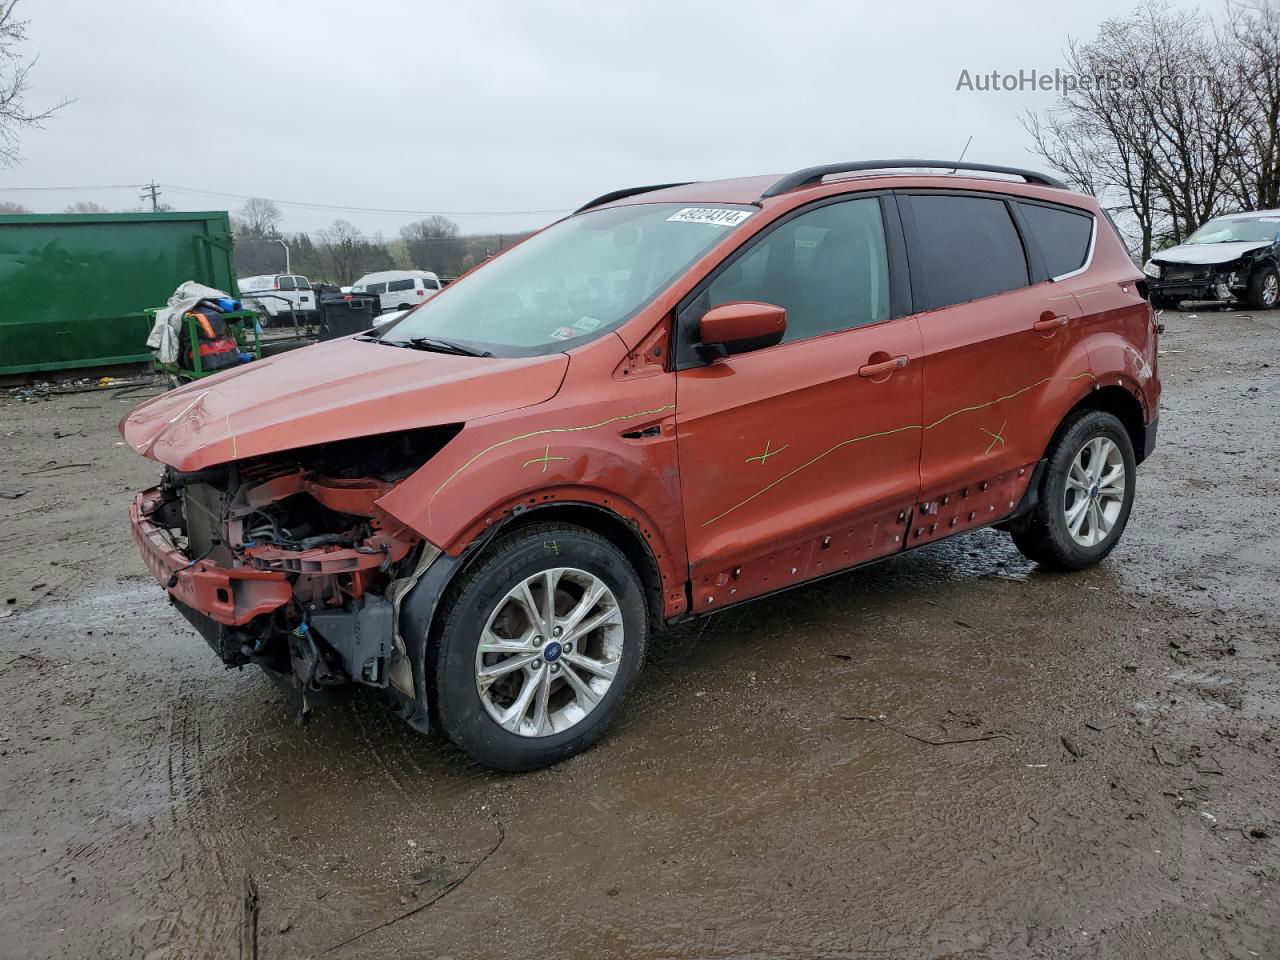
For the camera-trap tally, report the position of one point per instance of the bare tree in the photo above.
(85, 206)
(15, 79)
(1151, 127)
(433, 243)
(8, 206)
(258, 218)
(1252, 35)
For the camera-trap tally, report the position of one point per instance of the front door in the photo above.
(802, 458)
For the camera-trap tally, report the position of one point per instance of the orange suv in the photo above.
(678, 398)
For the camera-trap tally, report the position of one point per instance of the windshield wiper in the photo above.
(444, 346)
(429, 343)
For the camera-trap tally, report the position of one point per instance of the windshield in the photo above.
(1237, 230)
(572, 282)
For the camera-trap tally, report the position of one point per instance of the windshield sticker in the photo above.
(563, 333)
(587, 324)
(718, 216)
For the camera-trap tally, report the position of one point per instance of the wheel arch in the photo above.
(626, 535)
(1122, 404)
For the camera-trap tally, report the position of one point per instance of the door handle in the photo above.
(1048, 323)
(883, 368)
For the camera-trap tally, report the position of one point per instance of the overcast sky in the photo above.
(517, 106)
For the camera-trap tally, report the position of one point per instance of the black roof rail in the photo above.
(808, 175)
(628, 192)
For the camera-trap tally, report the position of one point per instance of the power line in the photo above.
(108, 186)
(352, 209)
(152, 189)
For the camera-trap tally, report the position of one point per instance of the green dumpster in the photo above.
(74, 288)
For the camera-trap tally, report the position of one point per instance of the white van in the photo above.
(399, 289)
(276, 292)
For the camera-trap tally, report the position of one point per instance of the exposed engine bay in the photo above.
(307, 558)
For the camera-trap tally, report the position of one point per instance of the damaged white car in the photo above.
(1231, 259)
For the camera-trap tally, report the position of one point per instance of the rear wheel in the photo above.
(1264, 289)
(538, 647)
(1086, 495)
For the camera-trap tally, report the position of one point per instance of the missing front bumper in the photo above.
(231, 596)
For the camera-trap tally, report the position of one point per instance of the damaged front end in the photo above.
(1222, 282)
(288, 561)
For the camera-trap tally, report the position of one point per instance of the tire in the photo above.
(1045, 535)
(403, 306)
(566, 720)
(1264, 289)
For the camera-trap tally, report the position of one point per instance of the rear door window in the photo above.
(1064, 237)
(431, 284)
(969, 246)
(395, 285)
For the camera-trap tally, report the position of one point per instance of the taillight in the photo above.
(421, 292)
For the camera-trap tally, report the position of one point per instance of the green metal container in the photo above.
(74, 288)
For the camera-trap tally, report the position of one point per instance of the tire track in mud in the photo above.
(202, 913)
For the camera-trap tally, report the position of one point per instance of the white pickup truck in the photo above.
(275, 295)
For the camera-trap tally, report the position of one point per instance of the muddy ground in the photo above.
(1119, 796)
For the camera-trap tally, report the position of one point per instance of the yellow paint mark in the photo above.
(539, 433)
(886, 433)
(997, 437)
(545, 459)
(763, 457)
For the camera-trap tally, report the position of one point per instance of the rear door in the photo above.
(288, 294)
(802, 458)
(1003, 353)
(306, 296)
(400, 294)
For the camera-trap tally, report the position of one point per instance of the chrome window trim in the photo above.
(1088, 257)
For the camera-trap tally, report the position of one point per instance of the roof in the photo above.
(749, 190)
(758, 191)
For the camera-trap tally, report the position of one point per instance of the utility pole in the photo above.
(151, 191)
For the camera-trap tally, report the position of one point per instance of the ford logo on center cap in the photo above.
(551, 652)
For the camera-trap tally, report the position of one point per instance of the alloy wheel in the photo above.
(1095, 491)
(550, 651)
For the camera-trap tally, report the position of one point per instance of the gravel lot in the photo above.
(1116, 794)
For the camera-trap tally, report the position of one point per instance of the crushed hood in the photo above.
(331, 391)
(1201, 253)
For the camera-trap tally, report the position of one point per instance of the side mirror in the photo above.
(743, 325)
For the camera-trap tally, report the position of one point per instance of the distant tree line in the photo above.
(1172, 117)
(340, 253)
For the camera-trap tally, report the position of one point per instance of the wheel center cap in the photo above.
(1093, 492)
(551, 652)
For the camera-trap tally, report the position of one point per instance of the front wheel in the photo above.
(1264, 289)
(539, 643)
(1086, 495)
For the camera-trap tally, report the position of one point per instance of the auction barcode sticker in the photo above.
(719, 216)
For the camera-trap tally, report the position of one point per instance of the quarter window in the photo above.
(969, 246)
(395, 285)
(1062, 236)
(828, 268)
